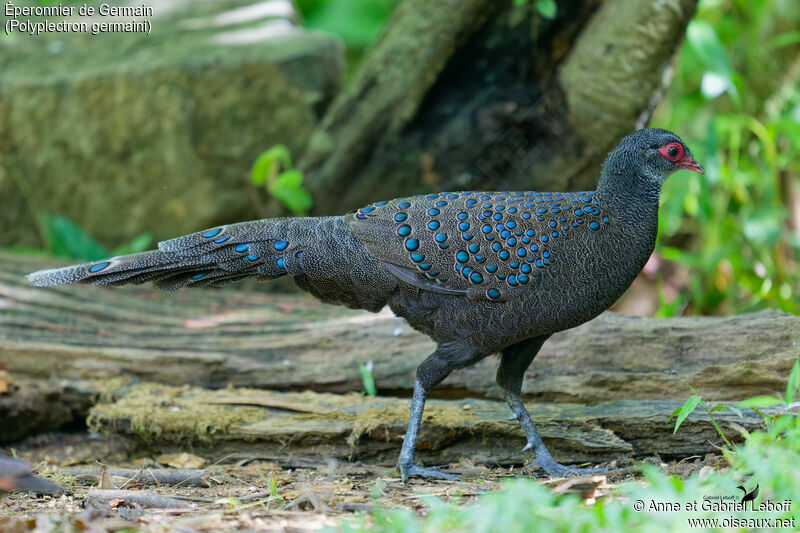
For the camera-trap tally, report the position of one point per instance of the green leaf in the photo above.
(763, 224)
(686, 410)
(269, 162)
(760, 401)
(721, 407)
(65, 239)
(288, 188)
(368, 379)
(781, 423)
(719, 430)
(793, 384)
(138, 244)
(703, 39)
(230, 502)
(784, 39)
(356, 22)
(547, 8)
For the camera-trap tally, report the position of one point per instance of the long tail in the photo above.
(321, 253)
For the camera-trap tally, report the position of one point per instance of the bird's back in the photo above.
(502, 265)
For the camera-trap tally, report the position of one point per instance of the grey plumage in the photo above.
(16, 474)
(478, 272)
(322, 255)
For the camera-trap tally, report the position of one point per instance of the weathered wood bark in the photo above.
(36, 406)
(461, 94)
(99, 340)
(137, 497)
(291, 342)
(305, 429)
(146, 476)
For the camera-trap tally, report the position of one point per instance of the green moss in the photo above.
(186, 415)
(176, 414)
(65, 479)
(119, 131)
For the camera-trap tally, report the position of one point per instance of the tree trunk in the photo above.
(480, 94)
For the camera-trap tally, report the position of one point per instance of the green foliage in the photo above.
(368, 379)
(755, 403)
(769, 458)
(684, 411)
(229, 502)
(691, 404)
(356, 22)
(274, 168)
(523, 505)
(546, 8)
(64, 238)
(138, 244)
(735, 100)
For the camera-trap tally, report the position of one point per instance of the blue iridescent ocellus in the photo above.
(481, 273)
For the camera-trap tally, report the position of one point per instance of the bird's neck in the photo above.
(625, 185)
(632, 199)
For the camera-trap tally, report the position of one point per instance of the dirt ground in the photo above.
(251, 496)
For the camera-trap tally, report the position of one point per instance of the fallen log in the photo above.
(131, 497)
(147, 476)
(306, 429)
(216, 338)
(33, 406)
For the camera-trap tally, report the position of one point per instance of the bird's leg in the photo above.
(435, 368)
(406, 463)
(514, 360)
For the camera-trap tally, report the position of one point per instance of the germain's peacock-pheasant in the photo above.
(478, 272)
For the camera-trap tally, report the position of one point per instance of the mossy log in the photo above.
(305, 429)
(216, 338)
(102, 342)
(462, 94)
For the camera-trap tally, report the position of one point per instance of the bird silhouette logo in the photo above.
(748, 496)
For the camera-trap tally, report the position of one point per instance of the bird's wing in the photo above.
(484, 245)
(12, 467)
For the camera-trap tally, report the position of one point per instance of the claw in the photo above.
(432, 472)
(555, 469)
(512, 416)
(559, 470)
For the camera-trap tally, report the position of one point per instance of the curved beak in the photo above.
(689, 163)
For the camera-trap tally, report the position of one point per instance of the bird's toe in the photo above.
(555, 469)
(432, 472)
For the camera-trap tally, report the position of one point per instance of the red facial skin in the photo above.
(676, 153)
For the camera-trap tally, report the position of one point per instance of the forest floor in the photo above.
(249, 495)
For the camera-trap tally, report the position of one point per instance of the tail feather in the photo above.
(322, 254)
(266, 249)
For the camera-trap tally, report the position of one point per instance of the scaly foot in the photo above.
(410, 469)
(556, 469)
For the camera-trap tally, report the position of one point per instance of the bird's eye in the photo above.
(672, 151)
